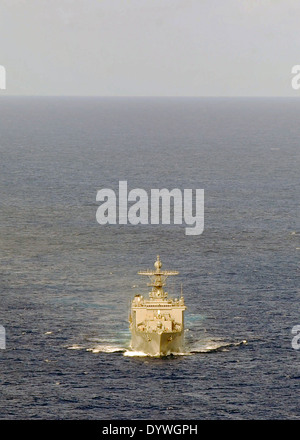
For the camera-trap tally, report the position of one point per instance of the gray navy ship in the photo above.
(157, 323)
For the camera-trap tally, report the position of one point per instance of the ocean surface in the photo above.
(66, 282)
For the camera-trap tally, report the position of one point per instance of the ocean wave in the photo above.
(211, 346)
(130, 353)
(75, 347)
(206, 347)
(197, 347)
(106, 349)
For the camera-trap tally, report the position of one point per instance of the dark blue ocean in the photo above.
(66, 282)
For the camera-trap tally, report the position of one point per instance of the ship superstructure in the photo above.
(157, 323)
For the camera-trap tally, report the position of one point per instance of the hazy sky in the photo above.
(150, 47)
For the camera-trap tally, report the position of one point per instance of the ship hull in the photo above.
(157, 344)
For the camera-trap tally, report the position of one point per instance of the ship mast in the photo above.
(158, 279)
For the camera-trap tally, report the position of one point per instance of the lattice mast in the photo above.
(158, 279)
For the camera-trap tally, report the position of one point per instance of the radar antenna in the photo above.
(158, 279)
